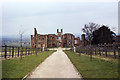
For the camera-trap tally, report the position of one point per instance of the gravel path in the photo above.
(58, 65)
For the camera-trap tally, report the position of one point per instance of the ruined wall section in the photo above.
(52, 40)
(77, 41)
(42, 41)
(59, 40)
(68, 40)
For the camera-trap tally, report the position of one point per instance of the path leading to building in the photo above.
(58, 65)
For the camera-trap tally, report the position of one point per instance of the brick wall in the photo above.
(53, 40)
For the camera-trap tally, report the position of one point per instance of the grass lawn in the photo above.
(98, 68)
(13, 68)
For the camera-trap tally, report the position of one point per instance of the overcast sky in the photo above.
(48, 15)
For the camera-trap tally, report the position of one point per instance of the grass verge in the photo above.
(98, 68)
(14, 68)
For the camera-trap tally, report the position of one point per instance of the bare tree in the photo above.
(21, 36)
(88, 29)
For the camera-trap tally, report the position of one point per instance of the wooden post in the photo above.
(18, 51)
(15, 52)
(36, 51)
(86, 50)
(30, 51)
(21, 54)
(95, 50)
(12, 52)
(90, 53)
(114, 51)
(26, 51)
(33, 50)
(106, 50)
(9, 52)
(100, 50)
(5, 52)
(39, 50)
(90, 56)
(118, 52)
(109, 49)
(78, 51)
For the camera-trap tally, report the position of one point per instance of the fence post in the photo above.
(29, 51)
(95, 51)
(5, 51)
(15, 51)
(79, 54)
(9, 52)
(21, 54)
(33, 50)
(118, 52)
(40, 50)
(100, 50)
(109, 49)
(77, 50)
(18, 51)
(90, 53)
(36, 51)
(106, 50)
(12, 52)
(114, 51)
(26, 51)
(86, 49)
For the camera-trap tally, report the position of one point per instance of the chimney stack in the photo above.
(61, 30)
(83, 39)
(57, 30)
(35, 31)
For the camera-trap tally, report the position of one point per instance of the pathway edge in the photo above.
(34, 69)
(78, 73)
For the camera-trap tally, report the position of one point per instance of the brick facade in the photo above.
(68, 40)
(53, 40)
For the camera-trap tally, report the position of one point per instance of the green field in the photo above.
(14, 68)
(98, 68)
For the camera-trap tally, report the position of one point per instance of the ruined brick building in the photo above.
(56, 40)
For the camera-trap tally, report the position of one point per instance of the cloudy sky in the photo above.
(48, 15)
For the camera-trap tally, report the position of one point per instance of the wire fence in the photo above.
(14, 51)
(106, 50)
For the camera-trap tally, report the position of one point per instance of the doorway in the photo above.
(59, 44)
